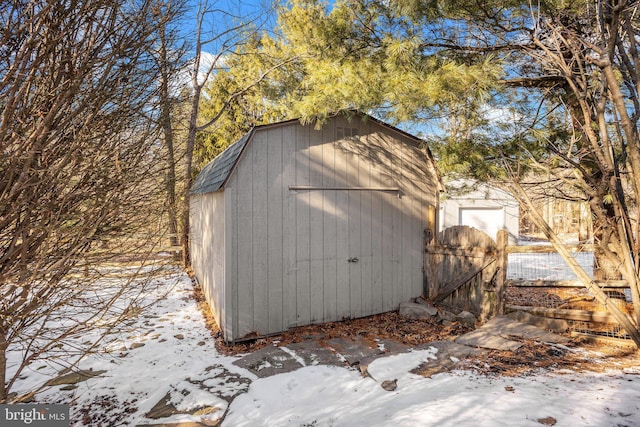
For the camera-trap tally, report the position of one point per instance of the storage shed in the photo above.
(482, 206)
(292, 225)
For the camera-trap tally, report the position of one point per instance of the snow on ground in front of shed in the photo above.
(179, 361)
(332, 396)
(166, 350)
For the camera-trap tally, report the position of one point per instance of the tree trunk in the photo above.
(168, 133)
(584, 231)
(188, 179)
(172, 209)
(3, 367)
(595, 290)
(170, 178)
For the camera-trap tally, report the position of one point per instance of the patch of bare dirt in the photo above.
(113, 412)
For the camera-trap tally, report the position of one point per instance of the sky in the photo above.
(227, 13)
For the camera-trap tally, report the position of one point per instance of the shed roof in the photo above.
(214, 175)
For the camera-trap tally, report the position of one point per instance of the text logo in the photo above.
(34, 415)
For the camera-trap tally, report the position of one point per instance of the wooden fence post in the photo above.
(502, 240)
(427, 271)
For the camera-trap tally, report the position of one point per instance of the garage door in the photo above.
(489, 220)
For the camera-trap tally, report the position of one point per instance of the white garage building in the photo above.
(480, 206)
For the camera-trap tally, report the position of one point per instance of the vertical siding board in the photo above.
(422, 213)
(425, 202)
(397, 220)
(214, 288)
(274, 228)
(365, 255)
(316, 232)
(329, 226)
(378, 175)
(259, 242)
(376, 252)
(343, 306)
(384, 234)
(217, 255)
(243, 182)
(407, 225)
(208, 279)
(195, 234)
(417, 230)
(416, 270)
(428, 188)
(289, 222)
(230, 263)
(355, 221)
(303, 308)
(413, 225)
(388, 201)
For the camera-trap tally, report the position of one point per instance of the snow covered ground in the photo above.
(545, 266)
(166, 355)
(549, 266)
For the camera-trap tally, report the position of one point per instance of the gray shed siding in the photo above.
(208, 250)
(285, 257)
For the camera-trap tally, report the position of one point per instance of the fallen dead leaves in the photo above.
(548, 421)
(564, 298)
(369, 329)
(531, 357)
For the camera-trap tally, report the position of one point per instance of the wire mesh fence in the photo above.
(606, 330)
(546, 266)
(526, 268)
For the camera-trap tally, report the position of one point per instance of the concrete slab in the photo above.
(216, 379)
(73, 377)
(337, 352)
(388, 347)
(446, 359)
(224, 384)
(269, 361)
(313, 353)
(449, 349)
(164, 408)
(506, 326)
(494, 335)
(355, 350)
(488, 339)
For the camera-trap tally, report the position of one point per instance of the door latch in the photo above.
(352, 259)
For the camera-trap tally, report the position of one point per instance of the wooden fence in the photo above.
(466, 270)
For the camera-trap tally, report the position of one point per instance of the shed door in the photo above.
(489, 220)
(344, 252)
